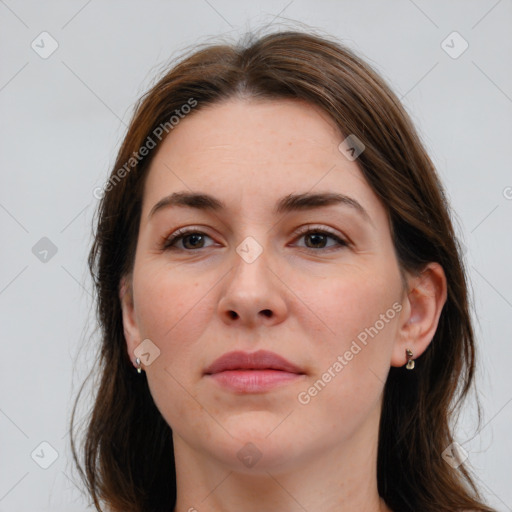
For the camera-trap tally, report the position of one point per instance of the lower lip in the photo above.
(253, 381)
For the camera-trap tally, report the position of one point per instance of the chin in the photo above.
(258, 447)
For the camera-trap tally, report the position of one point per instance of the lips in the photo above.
(261, 360)
(253, 372)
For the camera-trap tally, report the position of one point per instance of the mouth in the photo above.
(254, 372)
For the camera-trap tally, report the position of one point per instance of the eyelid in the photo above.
(307, 228)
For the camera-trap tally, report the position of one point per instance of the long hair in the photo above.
(127, 447)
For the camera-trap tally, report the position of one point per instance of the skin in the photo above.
(319, 456)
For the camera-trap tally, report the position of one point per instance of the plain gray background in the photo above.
(63, 118)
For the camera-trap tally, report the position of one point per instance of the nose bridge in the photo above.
(253, 291)
(251, 267)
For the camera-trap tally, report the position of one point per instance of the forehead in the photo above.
(252, 152)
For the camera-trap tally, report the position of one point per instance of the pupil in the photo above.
(319, 237)
(196, 236)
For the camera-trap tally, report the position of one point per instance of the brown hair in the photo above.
(130, 470)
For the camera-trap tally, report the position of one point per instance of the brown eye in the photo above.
(318, 238)
(190, 240)
(194, 239)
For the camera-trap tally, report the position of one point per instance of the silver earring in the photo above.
(139, 370)
(410, 360)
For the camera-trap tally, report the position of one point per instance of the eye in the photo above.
(191, 239)
(318, 238)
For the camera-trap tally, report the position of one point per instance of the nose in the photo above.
(253, 294)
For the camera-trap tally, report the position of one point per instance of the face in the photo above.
(316, 283)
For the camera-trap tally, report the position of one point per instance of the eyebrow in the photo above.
(289, 203)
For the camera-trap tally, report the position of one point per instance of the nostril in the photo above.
(267, 312)
(233, 315)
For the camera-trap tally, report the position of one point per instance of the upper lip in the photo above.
(260, 360)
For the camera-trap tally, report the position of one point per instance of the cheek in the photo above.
(352, 301)
(360, 314)
(169, 302)
(172, 311)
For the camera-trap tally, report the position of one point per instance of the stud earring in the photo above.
(410, 360)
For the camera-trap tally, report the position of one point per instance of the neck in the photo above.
(343, 478)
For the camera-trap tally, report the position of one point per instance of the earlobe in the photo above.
(420, 316)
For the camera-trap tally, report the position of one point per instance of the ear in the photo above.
(130, 325)
(420, 314)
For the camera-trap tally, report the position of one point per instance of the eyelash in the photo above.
(168, 242)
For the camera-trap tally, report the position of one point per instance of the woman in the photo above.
(281, 296)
